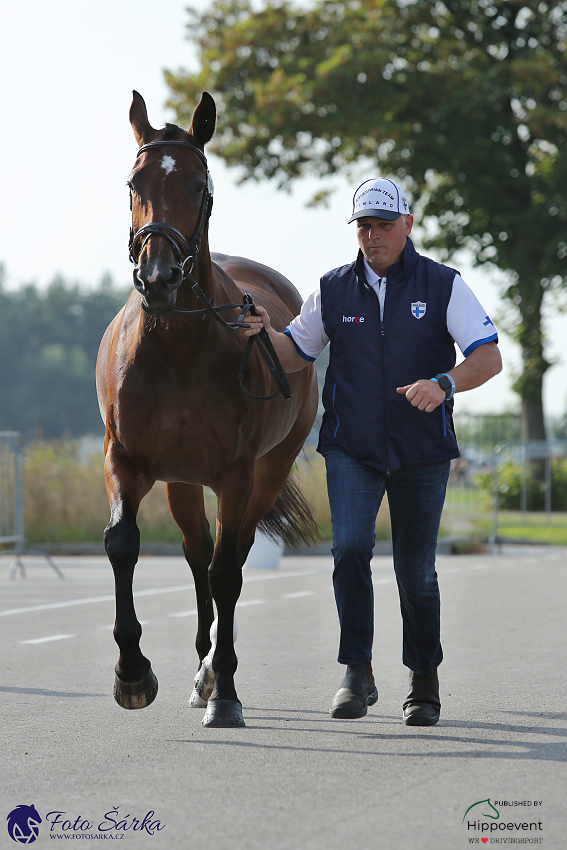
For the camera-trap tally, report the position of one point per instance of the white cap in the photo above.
(380, 198)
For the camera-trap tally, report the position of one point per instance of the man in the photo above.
(392, 319)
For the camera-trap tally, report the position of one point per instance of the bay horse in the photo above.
(181, 405)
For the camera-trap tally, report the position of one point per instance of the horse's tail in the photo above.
(290, 520)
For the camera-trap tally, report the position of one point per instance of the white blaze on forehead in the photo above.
(168, 164)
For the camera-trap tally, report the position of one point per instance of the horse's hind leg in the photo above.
(135, 685)
(188, 510)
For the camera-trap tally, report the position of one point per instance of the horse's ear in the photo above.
(139, 118)
(204, 119)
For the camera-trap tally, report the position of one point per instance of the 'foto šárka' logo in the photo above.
(23, 824)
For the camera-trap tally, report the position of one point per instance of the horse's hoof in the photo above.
(134, 695)
(196, 700)
(203, 685)
(224, 713)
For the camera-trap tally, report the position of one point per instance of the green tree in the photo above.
(49, 341)
(465, 101)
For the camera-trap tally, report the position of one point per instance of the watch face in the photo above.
(444, 383)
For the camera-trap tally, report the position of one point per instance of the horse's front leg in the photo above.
(225, 577)
(135, 685)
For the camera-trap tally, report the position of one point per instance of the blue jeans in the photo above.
(415, 497)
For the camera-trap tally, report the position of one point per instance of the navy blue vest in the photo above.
(364, 415)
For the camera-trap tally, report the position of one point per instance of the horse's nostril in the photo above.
(175, 276)
(139, 282)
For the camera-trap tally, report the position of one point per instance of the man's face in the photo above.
(382, 242)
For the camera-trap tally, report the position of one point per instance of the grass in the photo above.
(66, 499)
(66, 502)
(529, 534)
(533, 527)
(310, 472)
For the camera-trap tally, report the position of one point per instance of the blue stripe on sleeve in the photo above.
(299, 351)
(473, 345)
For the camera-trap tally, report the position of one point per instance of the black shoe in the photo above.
(356, 693)
(422, 705)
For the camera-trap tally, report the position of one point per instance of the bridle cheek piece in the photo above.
(186, 255)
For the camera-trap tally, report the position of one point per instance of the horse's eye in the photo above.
(199, 190)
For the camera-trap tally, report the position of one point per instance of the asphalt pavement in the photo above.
(493, 768)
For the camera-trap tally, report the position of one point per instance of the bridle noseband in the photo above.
(186, 255)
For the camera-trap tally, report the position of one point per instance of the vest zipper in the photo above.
(335, 411)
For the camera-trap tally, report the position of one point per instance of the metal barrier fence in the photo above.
(476, 488)
(11, 492)
(531, 461)
(12, 504)
(469, 505)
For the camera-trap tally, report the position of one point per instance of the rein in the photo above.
(186, 256)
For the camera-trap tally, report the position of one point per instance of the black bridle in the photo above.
(186, 255)
(185, 252)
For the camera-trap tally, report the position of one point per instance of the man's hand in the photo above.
(285, 348)
(482, 364)
(257, 322)
(425, 395)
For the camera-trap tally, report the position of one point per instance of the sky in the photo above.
(68, 69)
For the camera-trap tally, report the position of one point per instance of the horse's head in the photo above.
(171, 194)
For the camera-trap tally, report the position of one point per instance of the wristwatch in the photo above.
(446, 383)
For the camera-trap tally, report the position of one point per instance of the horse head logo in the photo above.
(23, 824)
(484, 814)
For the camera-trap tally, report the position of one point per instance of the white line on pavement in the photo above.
(47, 639)
(248, 602)
(89, 600)
(298, 594)
(248, 576)
(156, 591)
(191, 613)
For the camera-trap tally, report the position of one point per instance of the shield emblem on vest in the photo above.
(418, 309)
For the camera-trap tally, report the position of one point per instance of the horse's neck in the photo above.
(216, 288)
(214, 282)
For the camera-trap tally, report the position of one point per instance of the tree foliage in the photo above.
(465, 101)
(49, 341)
